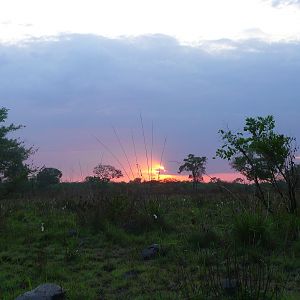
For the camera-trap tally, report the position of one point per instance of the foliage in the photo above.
(203, 239)
(195, 165)
(92, 179)
(13, 153)
(288, 228)
(107, 172)
(238, 180)
(246, 277)
(262, 155)
(48, 176)
(252, 229)
(137, 180)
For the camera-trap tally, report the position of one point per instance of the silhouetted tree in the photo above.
(13, 153)
(215, 180)
(92, 179)
(262, 155)
(107, 172)
(196, 165)
(238, 180)
(136, 180)
(48, 176)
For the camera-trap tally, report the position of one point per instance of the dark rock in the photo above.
(150, 252)
(229, 286)
(47, 291)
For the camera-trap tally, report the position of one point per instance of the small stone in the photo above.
(47, 291)
(150, 252)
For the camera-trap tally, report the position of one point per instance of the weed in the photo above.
(242, 278)
(252, 229)
(2, 218)
(71, 249)
(288, 227)
(235, 277)
(203, 239)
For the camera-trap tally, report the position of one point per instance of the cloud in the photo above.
(285, 2)
(71, 88)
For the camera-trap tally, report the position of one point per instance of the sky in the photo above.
(189, 21)
(83, 74)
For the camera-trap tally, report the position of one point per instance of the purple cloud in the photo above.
(68, 90)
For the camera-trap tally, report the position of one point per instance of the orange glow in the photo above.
(158, 169)
(156, 172)
(229, 177)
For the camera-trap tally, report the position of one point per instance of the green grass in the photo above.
(96, 253)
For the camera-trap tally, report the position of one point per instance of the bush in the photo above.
(204, 239)
(252, 229)
(48, 176)
(288, 227)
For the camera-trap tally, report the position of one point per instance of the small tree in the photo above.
(196, 165)
(92, 179)
(107, 172)
(136, 180)
(262, 155)
(13, 153)
(238, 180)
(48, 176)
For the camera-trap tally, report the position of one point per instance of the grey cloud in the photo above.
(67, 89)
(285, 2)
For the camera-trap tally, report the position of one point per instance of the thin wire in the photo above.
(145, 145)
(161, 158)
(113, 155)
(124, 152)
(139, 171)
(151, 172)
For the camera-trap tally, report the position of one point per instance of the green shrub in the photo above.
(204, 239)
(71, 249)
(296, 249)
(252, 229)
(241, 278)
(118, 236)
(114, 209)
(149, 214)
(97, 219)
(140, 223)
(288, 227)
(117, 208)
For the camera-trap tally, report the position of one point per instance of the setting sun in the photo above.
(154, 172)
(148, 149)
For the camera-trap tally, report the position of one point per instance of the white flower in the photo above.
(42, 227)
(155, 216)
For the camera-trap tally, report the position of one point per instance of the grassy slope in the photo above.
(102, 258)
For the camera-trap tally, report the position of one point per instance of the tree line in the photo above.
(257, 152)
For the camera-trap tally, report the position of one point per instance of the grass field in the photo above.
(89, 240)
